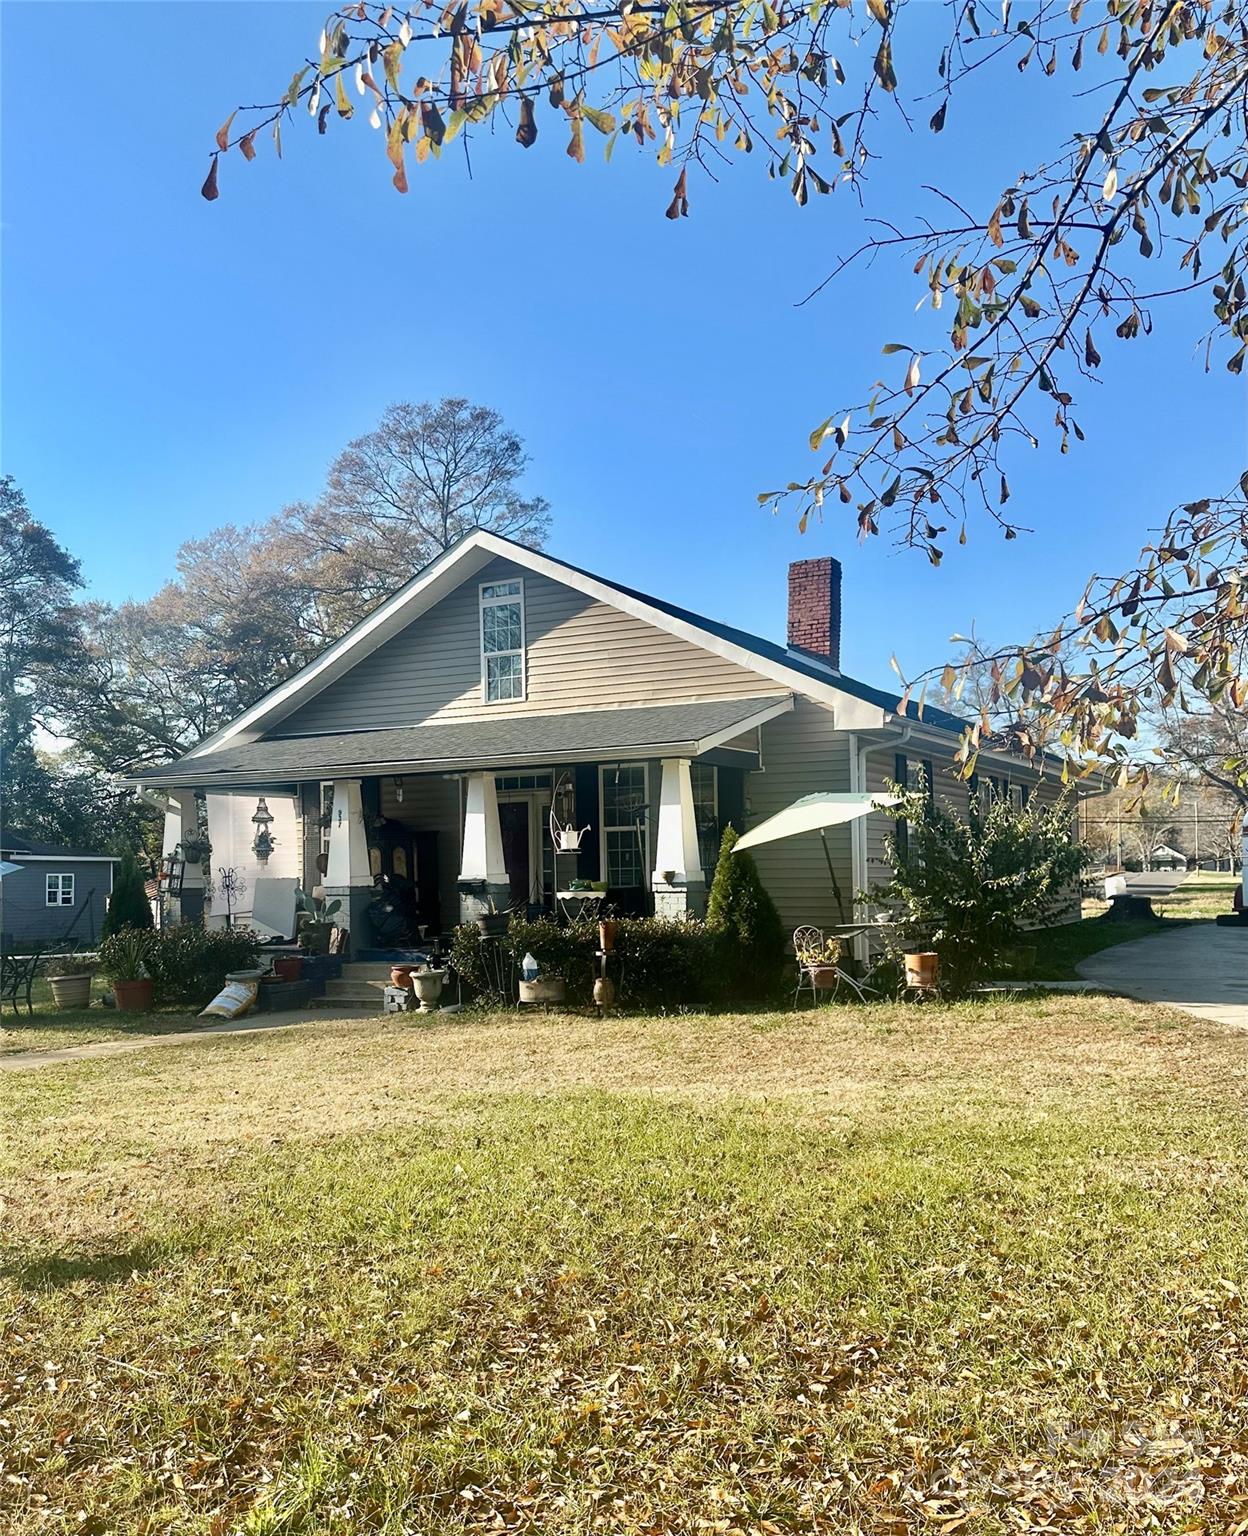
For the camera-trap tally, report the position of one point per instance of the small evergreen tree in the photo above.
(744, 919)
(128, 906)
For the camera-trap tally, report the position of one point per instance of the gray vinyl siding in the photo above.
(579, 654)
(28, 919)
(803, 754)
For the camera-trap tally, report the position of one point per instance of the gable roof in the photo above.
(861, 707)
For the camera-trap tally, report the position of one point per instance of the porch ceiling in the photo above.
(666, 730)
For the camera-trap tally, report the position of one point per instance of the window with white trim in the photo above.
(625, 828)
(59, 891)
(704, 781)
(502, 640)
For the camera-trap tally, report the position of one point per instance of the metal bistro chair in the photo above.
(17, 978)
(810, 946)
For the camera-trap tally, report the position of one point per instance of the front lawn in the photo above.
(885, 1269)
(52, 1029)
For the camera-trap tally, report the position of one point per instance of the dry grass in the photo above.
(885, 1269)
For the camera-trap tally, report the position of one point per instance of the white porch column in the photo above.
(483, 883)
(348, 873)
(678, 883)
(182, 824)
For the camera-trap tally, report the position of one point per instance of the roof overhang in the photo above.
(463, 746)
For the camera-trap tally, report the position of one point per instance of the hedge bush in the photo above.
(660, 962)
(189, 962)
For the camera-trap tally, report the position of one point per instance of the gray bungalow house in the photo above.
(54, 895)
(500, 684)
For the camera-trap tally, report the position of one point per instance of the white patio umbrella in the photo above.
(816, 813)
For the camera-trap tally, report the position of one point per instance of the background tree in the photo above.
(395, 498)
(1019, 294)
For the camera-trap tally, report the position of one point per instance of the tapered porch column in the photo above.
(181, 825)
(483, 883)
(348, 873)
(678, 883)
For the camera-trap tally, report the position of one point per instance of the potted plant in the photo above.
(608, 927)
(123, 959)
(288, 967)
(314, 921)
(195, 849)
(821, 958)
(922, 969)
(69, 976)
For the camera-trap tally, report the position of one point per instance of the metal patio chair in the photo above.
(17, 979)
(810, 947)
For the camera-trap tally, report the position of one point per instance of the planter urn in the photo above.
(546, 989)
(134, 996)
(604, 992)
(608, 927)
(428, 986)
(71, 991)
(922, 970)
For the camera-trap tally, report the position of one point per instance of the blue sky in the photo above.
(170, 364)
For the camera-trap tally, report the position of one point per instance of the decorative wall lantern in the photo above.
(398, 787)
(263, 842)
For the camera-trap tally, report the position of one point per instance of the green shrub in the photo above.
(745, 923)
(128, 906)
(125, 955)
(969, 888)
(189, 962)
(658, 962)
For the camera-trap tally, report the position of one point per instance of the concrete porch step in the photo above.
(372, 971)
(351, 991)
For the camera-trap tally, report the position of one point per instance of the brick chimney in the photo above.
(815, 608)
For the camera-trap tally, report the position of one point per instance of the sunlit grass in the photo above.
(862, 1269)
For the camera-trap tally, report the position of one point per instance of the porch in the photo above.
(630, 801)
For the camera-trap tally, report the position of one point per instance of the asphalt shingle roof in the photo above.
(445, 745)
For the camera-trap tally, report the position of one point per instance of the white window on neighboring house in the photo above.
(59, 891)
(625, 825)
(704, 779)
(502, 640)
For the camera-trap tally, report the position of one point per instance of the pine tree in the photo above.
(128, 907)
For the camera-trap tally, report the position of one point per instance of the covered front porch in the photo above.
(519, 814)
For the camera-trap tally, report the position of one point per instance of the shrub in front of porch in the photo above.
(189, 962)
(743, 920)
(657, 962)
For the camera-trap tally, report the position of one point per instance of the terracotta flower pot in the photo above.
(604, 992)
(401, 976)
(288, 967)
(922, 969)
(823, 977)
(133, 996)
(607, 930)
(71, 991)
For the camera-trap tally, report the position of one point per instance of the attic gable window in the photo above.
(502, 640)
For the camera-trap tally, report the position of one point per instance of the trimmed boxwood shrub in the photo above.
(659, 962)
(189, 962)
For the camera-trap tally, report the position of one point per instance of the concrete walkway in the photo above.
(24, 1061)
(1201, 969)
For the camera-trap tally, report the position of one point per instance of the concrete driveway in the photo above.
(1201, 969)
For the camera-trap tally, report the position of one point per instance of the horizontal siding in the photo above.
(579, 654)
(803, 754)
(29, 919)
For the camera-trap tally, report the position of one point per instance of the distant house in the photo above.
(503, 699)
(55, 895)
(1166, 857)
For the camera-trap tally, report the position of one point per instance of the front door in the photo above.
(513, 822)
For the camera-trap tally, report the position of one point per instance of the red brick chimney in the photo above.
(815, 608)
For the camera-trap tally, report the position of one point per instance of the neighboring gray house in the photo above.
(55, 895)
(435, 738)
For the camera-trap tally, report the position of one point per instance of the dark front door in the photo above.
(513, 821)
